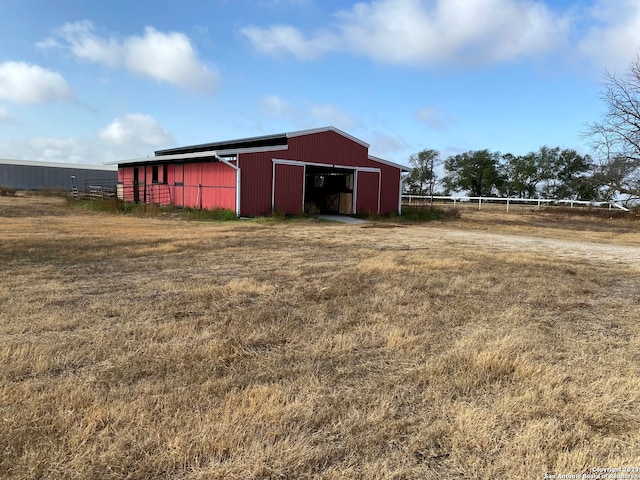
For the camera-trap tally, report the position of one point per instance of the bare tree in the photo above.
(616, 137)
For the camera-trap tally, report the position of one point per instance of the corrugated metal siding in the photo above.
(125, 176)
(288, 196)
(199, 185)
(218, 186)
(327, 147)
(31, 177)
(175, 180)
(209, 185)
(367, 195)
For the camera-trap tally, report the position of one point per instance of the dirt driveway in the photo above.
(548, 246)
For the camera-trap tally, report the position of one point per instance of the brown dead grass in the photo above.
(159, 348)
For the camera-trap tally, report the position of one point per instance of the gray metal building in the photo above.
(30, 175)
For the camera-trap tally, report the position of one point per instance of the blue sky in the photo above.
(97, 81)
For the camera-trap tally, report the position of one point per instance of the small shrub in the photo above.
(7, 191)
(278, 213)
(417, 214)
(215, 214)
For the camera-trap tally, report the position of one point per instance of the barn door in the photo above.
(288, 188)
(367, 192)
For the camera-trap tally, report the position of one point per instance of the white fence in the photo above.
(421, 200)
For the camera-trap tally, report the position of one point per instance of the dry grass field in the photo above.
(493, 346)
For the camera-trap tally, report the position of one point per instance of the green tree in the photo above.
(423, 179)
(575, 176)
(546, 164)
(551, 173)
(474, 172)
(520, 175)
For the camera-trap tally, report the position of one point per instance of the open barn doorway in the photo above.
(328, 190)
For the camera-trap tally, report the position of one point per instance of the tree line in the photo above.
(548, 173)
(551, 172)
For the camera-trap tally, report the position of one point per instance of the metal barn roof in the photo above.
(80, 166)
(275, 140)
(264, 143)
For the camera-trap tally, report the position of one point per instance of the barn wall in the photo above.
(209, 185)
(198, 185)
(327, 147)
(125, 176)
(175, 180)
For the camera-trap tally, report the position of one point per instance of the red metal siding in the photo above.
(218, 186)
(288, 193)
(327, 147)
(200, 185)
(192, 178)
(367, 195)
(209, 185)
(125, 176)
(174, 180)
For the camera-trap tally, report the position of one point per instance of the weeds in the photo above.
(7, 191)
(217, 214)
(116, 206)
(418, 214)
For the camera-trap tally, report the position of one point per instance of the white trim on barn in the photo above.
(237, 169)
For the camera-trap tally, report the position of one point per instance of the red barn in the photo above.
(323, 170)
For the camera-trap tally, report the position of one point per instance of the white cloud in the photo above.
(385, 145)
(45, 149)
(166, 57)
(328, 114)
(307, 115)
(417, 32)
(462, 31)
(129, 136)
(433, 118)
(5, 116)
(614, 39)
(25, 83)
(275, 106)
(278, 39)
(60, 149)
(134, 132)
(85, 44)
